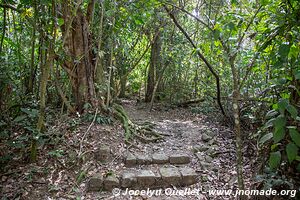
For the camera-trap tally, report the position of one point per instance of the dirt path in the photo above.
(209, 144)
(59, 174)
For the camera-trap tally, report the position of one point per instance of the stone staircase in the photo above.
(143, 171)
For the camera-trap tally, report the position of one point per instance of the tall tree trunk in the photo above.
(32, 64)
(45, 71)
(110, 84)
(155, 63)
(81, 59)
(237, 125)
(156, 86)
(123, 81)
(3, 30)
(99, 67)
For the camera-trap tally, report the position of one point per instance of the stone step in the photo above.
(157, 158)
(143, 179)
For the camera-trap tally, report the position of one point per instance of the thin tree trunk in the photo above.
(155, 62)
(156, 86)
(123, 81)
(201, 56)
(111, 60)
(4, 29)
(99, 71)
(62, 95)
(45, 71)
(33, 37)
(237, 125)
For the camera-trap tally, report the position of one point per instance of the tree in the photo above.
(80, 60)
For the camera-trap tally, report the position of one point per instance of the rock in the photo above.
(95, 183)
(111, 182)
(130, 160)
(210, 151)
(211, 133)
(200, 148)
(142, 159)
(179, 158)
(128, 179)
(160, 158)
(200, 156)
(170, 176)
(215, 147)
(146, 178)
(206, 137)
(189, 176)
(205, 165)
(103, 154)
(208, 158)
(211, 142)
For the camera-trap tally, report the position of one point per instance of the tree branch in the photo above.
(201, 56)
(9, 6)
(226, 48)
(251, 65)
(245, 31)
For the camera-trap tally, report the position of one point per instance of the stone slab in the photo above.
(160, 158)
(189, 176)
(170, 176)
(146, 178)
(111, 182)
(95, 183)
(130, 160)
(128, 179)
(179, 158)
(143, 159)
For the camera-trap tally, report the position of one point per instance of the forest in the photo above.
(102, 97)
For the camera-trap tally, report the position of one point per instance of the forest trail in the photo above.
(209, 145)
(206, 150)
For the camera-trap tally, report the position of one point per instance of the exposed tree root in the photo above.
(144, 133)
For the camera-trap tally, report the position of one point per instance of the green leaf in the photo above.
(60, 21)
(282, 104)
(274, 146)
(264, 2)
(284, 50)
(292, 151)
(292, 110)
(275, 158)
(280, 122)
(265, 138)
(217, 33)
(278, 135)
(231, 26)
(2, 123)
(30, 112)
(297, 75)
(295, 136)
(20, 118)
(81, 176)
